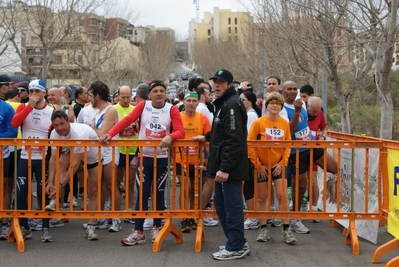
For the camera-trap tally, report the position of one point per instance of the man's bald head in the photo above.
(125, 95)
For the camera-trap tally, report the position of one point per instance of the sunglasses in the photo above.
(22, 89)
(243, 99)
(275, 103)
(7, 83)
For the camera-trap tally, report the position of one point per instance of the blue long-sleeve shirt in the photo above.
(6, 130)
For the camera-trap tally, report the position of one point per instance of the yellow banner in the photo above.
(393, 178)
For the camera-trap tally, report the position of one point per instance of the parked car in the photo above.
(184, 76)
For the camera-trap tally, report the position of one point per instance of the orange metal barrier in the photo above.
(180, 209)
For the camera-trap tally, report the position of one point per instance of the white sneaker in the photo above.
(50, 206)
(98, 224)
(209, 222)
(148, 224)
(75, 202)
(107, 205)
(116, 226)
(251, 224)
(298, 227)
(90, 234)
(154, 233)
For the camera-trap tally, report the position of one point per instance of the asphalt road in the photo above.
(324, 246)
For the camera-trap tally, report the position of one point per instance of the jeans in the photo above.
(228, 204)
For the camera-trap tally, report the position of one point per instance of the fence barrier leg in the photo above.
(168, 228)
(351, 237)
(199, 235)
(15, 235)
(384, 249)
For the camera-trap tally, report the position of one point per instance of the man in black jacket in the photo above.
(228, 164)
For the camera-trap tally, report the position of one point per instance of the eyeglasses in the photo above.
(243, 99)
(22, 89)
(6, 83)
(275, 103)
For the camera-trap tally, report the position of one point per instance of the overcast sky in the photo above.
(176, 14)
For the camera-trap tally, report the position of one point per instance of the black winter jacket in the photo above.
(228, 138)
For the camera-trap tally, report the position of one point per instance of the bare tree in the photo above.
(158, 54)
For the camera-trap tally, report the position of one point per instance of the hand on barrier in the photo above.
(166, 141)
(104, 138)
(200, 138)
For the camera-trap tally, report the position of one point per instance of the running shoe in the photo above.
(135, 238)
(154, 233)
(74, 202)
(185, 226)
(46, 236)
(26, 233)
(298, 227)
(276, 223)
(98, 224)
(194, 224)
(225, 255)
(129, 220)
(51, 205)
(4, 232)
(209, 222)
(90, 234)
(35, 224)
(148, 224)
(251, 224)
(116, 226)
(245, 248)
(57, 223)
(288, 236)
(264, 235)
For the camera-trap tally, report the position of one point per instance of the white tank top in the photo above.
(155, 123)
(106, 151)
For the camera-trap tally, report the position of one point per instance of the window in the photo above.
(235, 29)
(229, 21)
(235, 20)
(209, 31)
(229, 30)
(80, 59)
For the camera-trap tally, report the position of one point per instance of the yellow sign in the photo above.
(393, 187)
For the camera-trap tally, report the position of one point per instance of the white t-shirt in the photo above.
(86, 115)
(252, 115)
(36, 126)
(203, 109)
(80, 131)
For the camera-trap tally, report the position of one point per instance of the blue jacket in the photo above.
(6, 130)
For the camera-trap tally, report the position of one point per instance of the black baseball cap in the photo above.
(223, 75)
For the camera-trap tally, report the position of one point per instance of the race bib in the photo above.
(274, 134)
(130, 131)
(303, 134)
(155, 130)
(33, 148)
